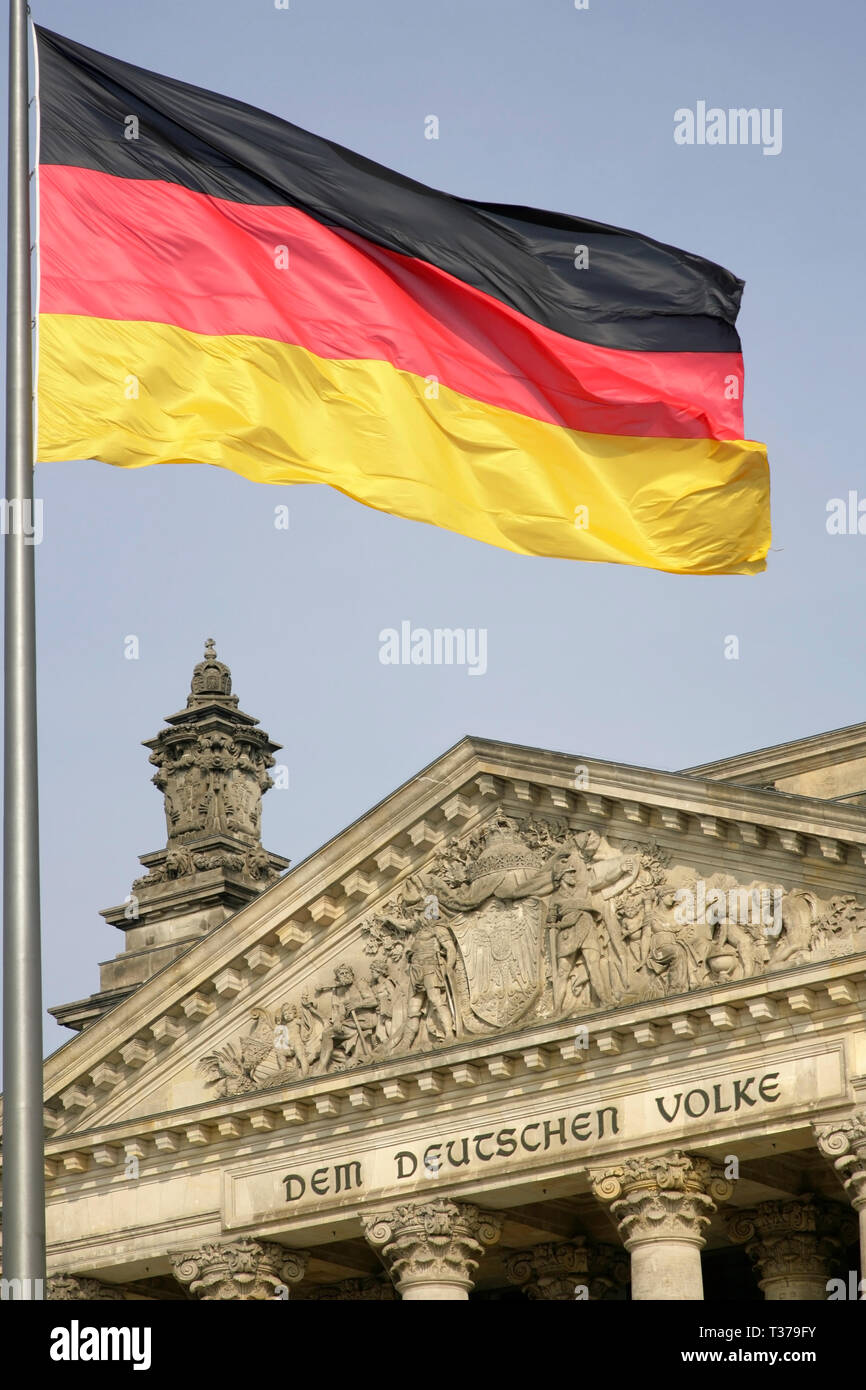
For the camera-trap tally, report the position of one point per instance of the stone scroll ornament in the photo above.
(527, 920)
(562, 1270)
(844, 1143)
(549, 1272)
(792, 1243)
(673, 1194)
(438, 1242)
(243, 1269)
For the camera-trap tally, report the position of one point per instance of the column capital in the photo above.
(843, 1142)
(436, 1243)
(550, 1271)
(791, 1242)
(64, 1288)
(668, 1197)
(241, 1269)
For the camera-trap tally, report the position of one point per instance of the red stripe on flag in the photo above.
(128, 249)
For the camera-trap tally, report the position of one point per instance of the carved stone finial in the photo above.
(243, 1269)
(432, 1249)
(74, 1288)
(791, 1244)
(844, 1143)
(211, 680)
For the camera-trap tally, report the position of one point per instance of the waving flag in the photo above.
(219, 286)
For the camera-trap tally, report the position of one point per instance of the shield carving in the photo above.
(501, 946)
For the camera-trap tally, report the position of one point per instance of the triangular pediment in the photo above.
(501, 889)
(829, 765)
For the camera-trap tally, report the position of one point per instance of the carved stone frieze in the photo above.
(437, 1243)
(69, 1288)
(254, 863)
(522, 921)
(241, 1269)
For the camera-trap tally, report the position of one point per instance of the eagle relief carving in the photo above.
(528, 920)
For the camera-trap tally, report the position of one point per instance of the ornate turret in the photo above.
(212, 766)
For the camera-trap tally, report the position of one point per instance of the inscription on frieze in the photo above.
(512, 1138)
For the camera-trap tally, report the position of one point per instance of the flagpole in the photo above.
(23, 1178)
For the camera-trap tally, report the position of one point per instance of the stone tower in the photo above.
(212, 766)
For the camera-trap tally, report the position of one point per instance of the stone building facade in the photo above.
(535, 1027)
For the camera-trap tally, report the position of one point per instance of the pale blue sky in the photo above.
(542, 104)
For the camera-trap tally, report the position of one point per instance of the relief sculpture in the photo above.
(524, 921)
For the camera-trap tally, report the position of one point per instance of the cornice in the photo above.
(819, 1001)
(788, 759)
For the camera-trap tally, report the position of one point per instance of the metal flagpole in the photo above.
(24, 1182)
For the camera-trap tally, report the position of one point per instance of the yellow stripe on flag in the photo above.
(134, 394)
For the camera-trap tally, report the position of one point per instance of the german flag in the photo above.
(219, 286)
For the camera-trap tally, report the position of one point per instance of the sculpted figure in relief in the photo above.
(350, 1021)
(235, 1068)
(424, 989)
(673, 956)
(800, 914)
(292, 1038)
(383, 987)
(528, 920)
(575, 921)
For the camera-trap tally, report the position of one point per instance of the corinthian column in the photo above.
(844, 1143)
(790, 1252)
(432, 1249)
(243, 1269)
(662, 1206)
